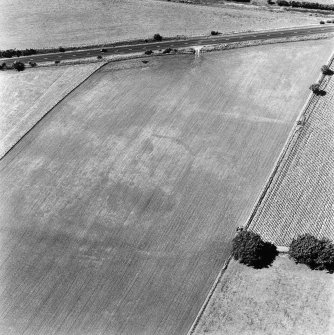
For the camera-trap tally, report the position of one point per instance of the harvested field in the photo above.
(285, 299)
(49, 23)
(118, 208)
(27, 96)
(300, 200)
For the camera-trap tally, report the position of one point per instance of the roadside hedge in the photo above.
(240, 0)
(16, 53)
(303, 4)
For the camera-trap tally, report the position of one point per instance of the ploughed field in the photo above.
(50, 23)
(118, 208)
(300, 200)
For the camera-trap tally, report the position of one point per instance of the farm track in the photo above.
(300, 198)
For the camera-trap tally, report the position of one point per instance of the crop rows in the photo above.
(302, 196)
(118, 208)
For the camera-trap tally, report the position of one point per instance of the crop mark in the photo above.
(176, 140)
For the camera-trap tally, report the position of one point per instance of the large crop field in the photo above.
(118, 208)
(300, 200)
(50, 23)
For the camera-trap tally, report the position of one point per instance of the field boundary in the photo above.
(209, 296)
(6, 150)
(171, 38)
(273, 176)
(288, 147)
(189, 49)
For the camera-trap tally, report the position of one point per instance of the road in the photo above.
(196, 41)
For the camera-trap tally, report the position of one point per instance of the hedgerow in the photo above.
(17, 53)
(303, 4)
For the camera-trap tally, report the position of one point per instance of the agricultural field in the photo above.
(300, 198)
(284, 299)
(25, 97)
(49, 23)
(118, 208)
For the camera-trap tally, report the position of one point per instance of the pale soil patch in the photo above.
(49, 23)
(284, 299)
(118, 208)
(300, 199)
(25, 97)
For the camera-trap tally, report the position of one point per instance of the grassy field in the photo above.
(301, 197)
(25, 97)
(285, 299)
(49, 23)
(119, 207)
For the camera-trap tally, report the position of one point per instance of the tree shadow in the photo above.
(319, 92)
(329, 73)
(267, 257)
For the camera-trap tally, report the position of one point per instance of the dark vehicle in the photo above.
(103, 50)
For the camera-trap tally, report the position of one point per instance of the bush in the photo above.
(315, 88)
(99, 57)
(57, 61)
(18, 66)
(325, 69)
(317, 254)
(157, 37)
(322, 22)
(249, 248)
(148, 52)
(28, 52)
(61, 49)
(213, 33)
(283, 3)
(32, 64)
(167, 51)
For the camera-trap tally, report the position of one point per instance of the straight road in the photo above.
(196, 41)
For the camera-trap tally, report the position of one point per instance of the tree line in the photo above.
(16, 53)
(304, 4)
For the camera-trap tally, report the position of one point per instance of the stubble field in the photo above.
(49, 23)
(119, 207)
(284, 299)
